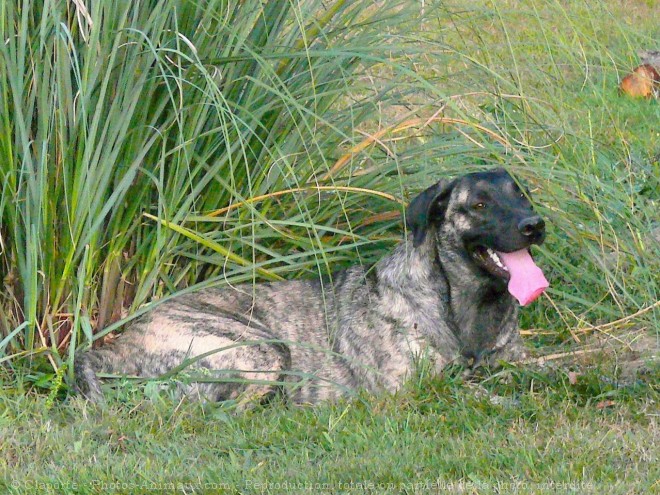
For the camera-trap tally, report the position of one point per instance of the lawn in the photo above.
(154, 146)
(542, 435)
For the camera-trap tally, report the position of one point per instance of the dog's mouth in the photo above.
(525, 280)
(490, 261)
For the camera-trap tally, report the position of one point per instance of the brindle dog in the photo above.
(440, 296)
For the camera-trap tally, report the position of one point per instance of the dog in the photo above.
(442, 296)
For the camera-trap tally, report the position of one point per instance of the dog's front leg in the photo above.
(509, 347)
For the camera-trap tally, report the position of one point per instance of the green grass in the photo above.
(147, 147)
(543, 430)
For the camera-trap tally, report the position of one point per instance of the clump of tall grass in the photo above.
(149, 146)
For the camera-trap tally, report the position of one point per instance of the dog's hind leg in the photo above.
(234, 366)
(87, 383)
(88, 364)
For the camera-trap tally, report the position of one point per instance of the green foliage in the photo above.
(538, 433)
(149, 146)
(126, 125)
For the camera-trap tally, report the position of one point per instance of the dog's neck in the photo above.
(421, 265)
(417, 284)
(468, 287)
(478, 333)
(407, 265)
(430, 274)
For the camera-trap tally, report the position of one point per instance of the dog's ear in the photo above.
(430, 204)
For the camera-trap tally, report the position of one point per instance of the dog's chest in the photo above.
(480, 317)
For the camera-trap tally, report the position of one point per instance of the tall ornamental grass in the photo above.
(147, 146)
(150, 146)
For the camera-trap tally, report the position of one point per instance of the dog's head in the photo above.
(477, 215)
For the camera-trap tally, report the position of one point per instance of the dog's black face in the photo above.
(478, 215)
(491, 213)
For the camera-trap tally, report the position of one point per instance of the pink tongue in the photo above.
(527, 281)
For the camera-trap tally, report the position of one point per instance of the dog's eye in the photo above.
(479, 206)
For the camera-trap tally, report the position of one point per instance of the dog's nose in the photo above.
(531, 226)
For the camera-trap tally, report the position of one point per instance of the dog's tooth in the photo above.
(493, 255)
(496, 259)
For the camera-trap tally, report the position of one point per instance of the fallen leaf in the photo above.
(643, 82)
